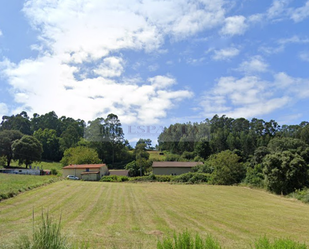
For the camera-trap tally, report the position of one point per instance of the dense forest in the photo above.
(60, 136)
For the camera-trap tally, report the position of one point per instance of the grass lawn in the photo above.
(11, 185)
(43, 165)
(136, 215)
(155, 155)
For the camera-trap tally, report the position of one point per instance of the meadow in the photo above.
(137, 215)
(11, 184)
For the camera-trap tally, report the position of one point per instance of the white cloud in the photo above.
(254, 65)
(80, 68)
(301, 13)
(298, 87)
(245, 97)
(277, 8)
(3, 109)
(304, 55)
(225, 54)
(110, 67)
(1, 33)
(234, 25)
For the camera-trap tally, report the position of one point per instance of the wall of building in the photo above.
(170, 171)
(91, 177)
(77, 172)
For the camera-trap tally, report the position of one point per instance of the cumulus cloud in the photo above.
(225, 54)
(277, 8)
(80, 70)
(256, 64)
(245, 97)
(300, 13)
(250, 96)
(234, 25)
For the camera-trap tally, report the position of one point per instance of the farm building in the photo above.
(119, 172)
(88, 172)
(173, 168)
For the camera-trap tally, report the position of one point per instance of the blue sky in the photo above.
(154, 63)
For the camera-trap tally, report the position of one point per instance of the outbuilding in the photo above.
(173, 168)
(86, 171)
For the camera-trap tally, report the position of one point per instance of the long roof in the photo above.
(84, 166)
(175, 164)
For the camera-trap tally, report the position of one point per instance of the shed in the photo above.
(96, 170)
(173, 168)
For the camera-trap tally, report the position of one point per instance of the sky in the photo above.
(155, 62)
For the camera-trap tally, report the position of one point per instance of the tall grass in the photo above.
(265, 243)
(186, 240)
(46, 236)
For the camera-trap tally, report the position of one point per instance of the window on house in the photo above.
(87, 169)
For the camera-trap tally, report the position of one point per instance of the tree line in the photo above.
(52, 138)
(256, 152)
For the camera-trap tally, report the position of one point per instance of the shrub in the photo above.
(54, 171)
(186, 241)
(192, 178)
(2, 161)
(114, 178)
(255, 176)
(302, 195)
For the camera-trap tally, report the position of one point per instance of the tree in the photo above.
(7, 138)
(80, 155)
(227, 169)
(50, 143)
(18, 122)
(145, 141)
(285, 172)
(27, 150)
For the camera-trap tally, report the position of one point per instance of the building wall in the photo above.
(77, 172)
(91, 177)
(170, 171)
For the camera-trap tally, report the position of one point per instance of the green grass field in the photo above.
(11, 185)
(130, 215)
(43, 165)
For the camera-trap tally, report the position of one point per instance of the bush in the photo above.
(2, 161)
(302, 195)
(255, 176)
(186, 241)
(54, 171)
(192, 178)
(114, 178)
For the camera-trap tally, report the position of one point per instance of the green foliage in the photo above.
(302, 195)
(285, 172)
(172, 157)
(192, 178)
(80, 155)
(265, 243)
(255, 176)
(186, 240)
(27, 150)
(50, 143)
(227, 168)
(18, 122)
(2, 161)
(54, 171)
(188, 155)
(287, 144)
(114, 178)
(7, 138)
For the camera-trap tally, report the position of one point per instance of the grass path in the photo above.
(129, 215)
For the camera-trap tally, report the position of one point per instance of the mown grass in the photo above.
(137, 215)
(11, 185)
(155, 155)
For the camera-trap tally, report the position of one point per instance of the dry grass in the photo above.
(128, 215)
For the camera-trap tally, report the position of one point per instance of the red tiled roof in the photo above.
(84, 166)
(175, 164)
